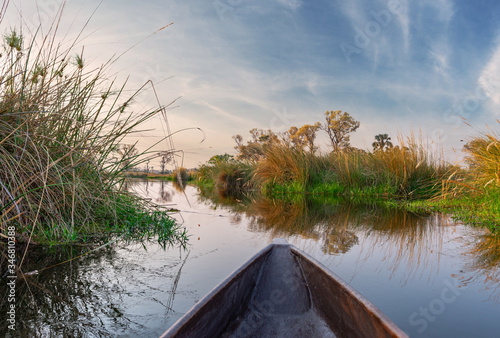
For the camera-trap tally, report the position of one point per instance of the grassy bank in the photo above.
(62, 126)
(409, 176)
(472, 194)
(406, 172)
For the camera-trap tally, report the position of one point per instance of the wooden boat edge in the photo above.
(392, 328)
(181, 324)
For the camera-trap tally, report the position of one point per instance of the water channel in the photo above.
(432, 276)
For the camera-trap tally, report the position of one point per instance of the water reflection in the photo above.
(339, 241)
(107, 293)
(179, 185)
(126, 289)
(405, 239)
(165, 193)
(484, 264)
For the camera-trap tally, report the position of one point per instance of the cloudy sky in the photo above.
(397, 66)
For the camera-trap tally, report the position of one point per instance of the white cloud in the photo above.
(440, 56)
(489, 80)
(403, 15)
(356, 13)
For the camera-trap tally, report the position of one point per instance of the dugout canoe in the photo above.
(283, 292)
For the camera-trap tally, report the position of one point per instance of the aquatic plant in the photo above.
(282, 163)
(226, 176)
(61, 125)
(409, 170)
(483, 159)
(412, 168)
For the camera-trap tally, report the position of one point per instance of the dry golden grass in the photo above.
(483, 158)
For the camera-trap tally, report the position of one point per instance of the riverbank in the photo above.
(409, 177)
(63, 127)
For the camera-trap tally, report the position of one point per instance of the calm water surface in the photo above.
(431, 276)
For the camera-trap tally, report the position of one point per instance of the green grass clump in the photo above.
(61, 128)
(226, 176)
(409, 171)
(411, 168)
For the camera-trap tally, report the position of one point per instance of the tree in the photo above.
(304, 136)
(163, 163)
(382, 142)
(339, 125)
(254, 149)
(293, 138)
(218, 159)
(165, 157)
(263, 136)
(308, 133)
(239, 141)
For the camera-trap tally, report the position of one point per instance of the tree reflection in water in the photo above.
(405, 239)
(407, 242)
(339, 241)
(165, 194)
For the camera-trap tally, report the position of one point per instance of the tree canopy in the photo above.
(382, 142)
(304, 136)
(338, 126)
(254, 149)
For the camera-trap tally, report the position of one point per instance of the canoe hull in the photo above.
(282, 291)
(343, 308)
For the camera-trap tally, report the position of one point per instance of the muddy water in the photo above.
(431, 276)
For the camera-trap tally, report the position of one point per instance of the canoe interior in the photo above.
(282, 292)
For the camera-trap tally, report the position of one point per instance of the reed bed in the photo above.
(182, 174)
(410, 170)
(227, 177)
(283, 163)
(61, 128)
(412, 176)
(483, 159)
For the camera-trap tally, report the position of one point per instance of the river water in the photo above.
(433, 277)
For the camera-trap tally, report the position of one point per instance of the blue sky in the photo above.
(397, 66)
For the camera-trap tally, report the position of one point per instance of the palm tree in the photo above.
(382, 142)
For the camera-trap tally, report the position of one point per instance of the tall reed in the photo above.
(483, 158)
(409, 170)
(61, 125)
(413, 168)
(283, 164)
(228, 177)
